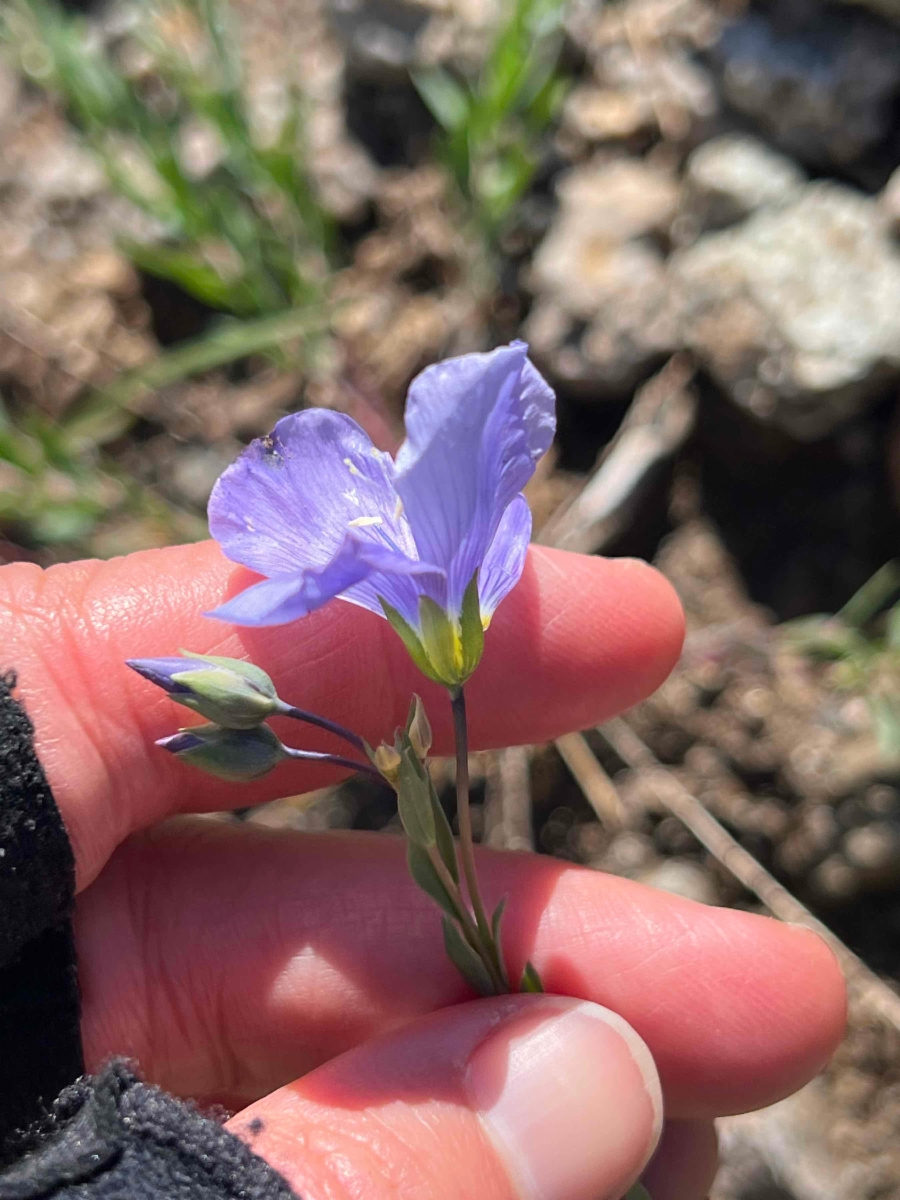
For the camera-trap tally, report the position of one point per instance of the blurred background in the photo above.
(213, 215)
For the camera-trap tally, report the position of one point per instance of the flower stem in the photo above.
(470, 932)
(334, 760)
(464, 814)
(300, 714)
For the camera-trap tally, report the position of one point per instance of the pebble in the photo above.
(796, 312)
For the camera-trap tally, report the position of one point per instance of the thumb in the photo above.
(511, 1098)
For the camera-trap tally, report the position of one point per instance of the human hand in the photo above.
(231, 960)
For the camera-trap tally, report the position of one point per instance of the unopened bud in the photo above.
(387, 761)
(232, 693)
(237, 755)
(418, 728)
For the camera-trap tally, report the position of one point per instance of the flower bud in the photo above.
(237, 755)
(418, 728)
(229, 692)
(386, 760)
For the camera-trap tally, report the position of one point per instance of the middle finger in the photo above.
(228, 960)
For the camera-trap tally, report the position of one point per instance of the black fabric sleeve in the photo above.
(106, 1138)
(40, 1044)
(115, 1138)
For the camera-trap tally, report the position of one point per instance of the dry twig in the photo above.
(658, 422)
(865, 986)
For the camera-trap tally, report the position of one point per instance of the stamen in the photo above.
(363, 522)
(354, 470)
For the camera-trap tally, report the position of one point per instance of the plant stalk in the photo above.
(464, 814)
(472, 935)
(300, 714)
(334, 760)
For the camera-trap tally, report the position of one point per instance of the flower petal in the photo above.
(287, 503)
(476, 426)
(289, 597)
(505, 558)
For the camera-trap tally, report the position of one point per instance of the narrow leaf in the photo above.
(444, 835)
(447, 101)
(531, 981)
(496, 920)
(424, 874)
(414, 802)
(466, 961)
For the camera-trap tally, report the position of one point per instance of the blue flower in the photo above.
(433, 540)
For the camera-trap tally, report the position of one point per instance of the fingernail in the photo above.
(570, 1097)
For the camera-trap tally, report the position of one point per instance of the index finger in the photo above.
(576, 641)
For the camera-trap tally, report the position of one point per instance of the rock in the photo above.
(379, 36)
(607, 114)
(682, 878)
(729, 177)
(604, 313)
(889, 201)
(822, 86)
(796, 313)
(874, 848)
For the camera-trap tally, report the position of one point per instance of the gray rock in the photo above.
(874, 848)
(796, 312)
(684, 878)
(379, 36)
(729, 177)
(822, 86)
(889, 201)
(604, 313)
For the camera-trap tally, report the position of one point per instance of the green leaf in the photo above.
(185, 268)
(444, 835)
(872, 596)
(424, 874)
(446, 100)
(466, 961)
(886, 719)
(498, 942)
(471, 628)
(893, 628)
(530, 981)
(414, 801)
(637, 1191)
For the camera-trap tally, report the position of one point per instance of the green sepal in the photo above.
(441, 642)
(238, 755)
(410, 640)
(496, 920)
(466, 961)
(414, 800)
(232, 693)
(530, 981)
(256, 675)
(424, 874)
(471, 629)
(637, 1191)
